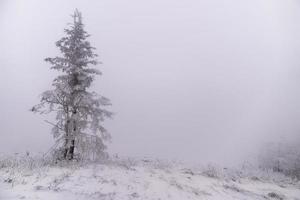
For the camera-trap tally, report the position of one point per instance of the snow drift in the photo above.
(127, 179)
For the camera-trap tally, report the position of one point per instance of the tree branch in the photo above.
(54, 125)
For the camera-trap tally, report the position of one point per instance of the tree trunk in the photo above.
(66, 148)
(71, 151)
(72, 140)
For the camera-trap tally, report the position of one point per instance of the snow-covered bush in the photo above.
(212, 171)
(24, 161)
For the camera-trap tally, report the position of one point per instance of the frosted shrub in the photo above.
(212, 171)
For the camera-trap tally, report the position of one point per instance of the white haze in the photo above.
(196, 80)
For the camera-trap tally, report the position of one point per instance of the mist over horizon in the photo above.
(199, 81)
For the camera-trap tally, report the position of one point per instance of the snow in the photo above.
(143, 180)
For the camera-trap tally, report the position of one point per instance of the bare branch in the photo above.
(54, 125)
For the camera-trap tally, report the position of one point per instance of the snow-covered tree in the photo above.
(79, 112)
(281, 157)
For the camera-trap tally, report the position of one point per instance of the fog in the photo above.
(195, 80)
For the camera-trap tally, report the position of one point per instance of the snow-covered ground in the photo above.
(124, 180)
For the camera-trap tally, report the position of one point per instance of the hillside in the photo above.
(140, 180)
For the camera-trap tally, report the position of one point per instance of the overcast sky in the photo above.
(196, 80)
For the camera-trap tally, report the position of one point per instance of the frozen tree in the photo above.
(79, 112)
(281, 157)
